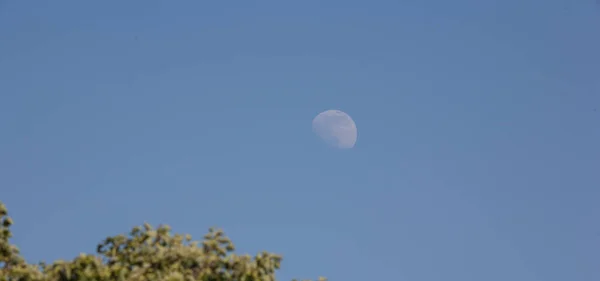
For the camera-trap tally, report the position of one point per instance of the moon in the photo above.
(336, 128)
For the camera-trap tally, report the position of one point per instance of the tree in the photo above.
(145, 254)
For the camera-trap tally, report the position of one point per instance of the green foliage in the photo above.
(145, 254)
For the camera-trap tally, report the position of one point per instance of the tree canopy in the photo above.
(145, 254)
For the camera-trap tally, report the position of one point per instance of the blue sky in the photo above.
(477, 157)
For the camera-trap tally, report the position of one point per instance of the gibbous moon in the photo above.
(336, 128)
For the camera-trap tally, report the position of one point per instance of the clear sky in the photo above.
(477, 157)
